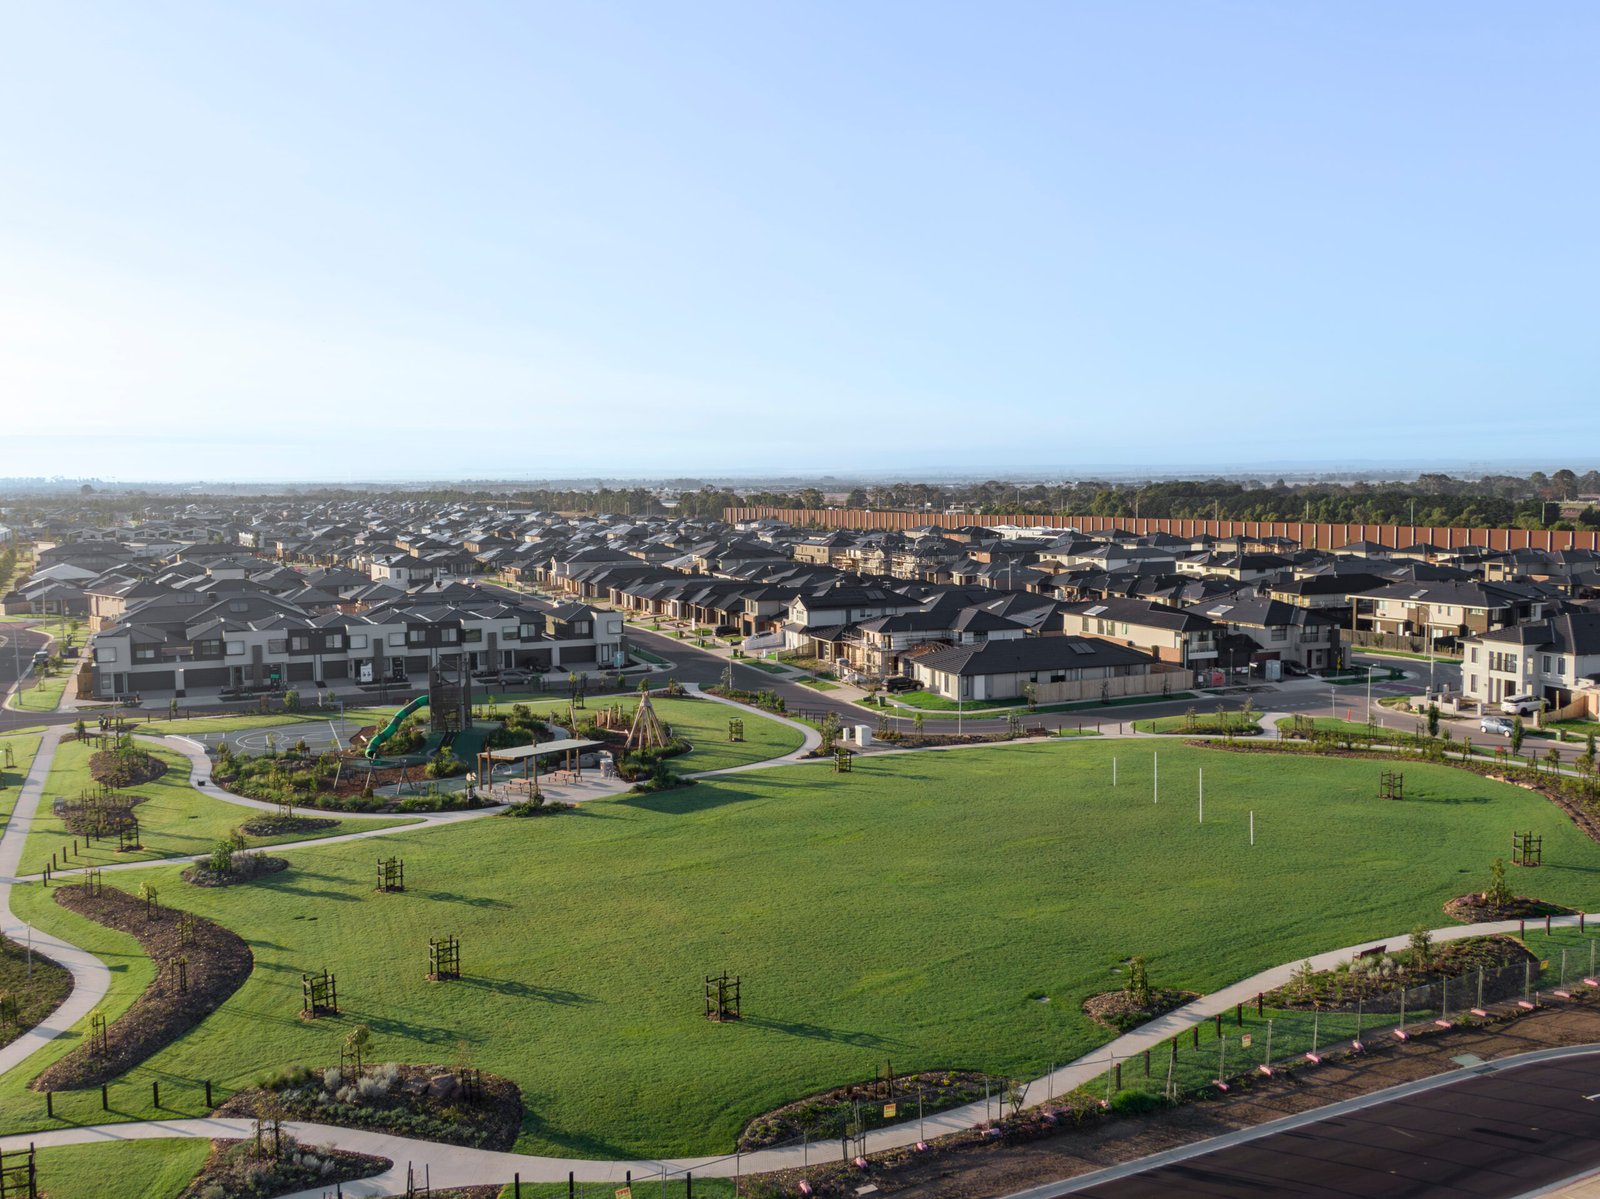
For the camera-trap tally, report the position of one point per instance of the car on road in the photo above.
(1495, 724)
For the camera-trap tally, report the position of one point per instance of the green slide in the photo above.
(393, 726)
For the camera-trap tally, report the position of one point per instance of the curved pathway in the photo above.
(458, 1166)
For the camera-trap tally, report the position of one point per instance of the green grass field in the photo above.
(154, 1169)
(199, 725)
(41, 695)
(1204, 723)
(175, 818)
(23, 750)
(913, 909)
(702, 722)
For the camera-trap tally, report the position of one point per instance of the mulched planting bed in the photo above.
(1476, 909)
(125, 768)
(1378, 985)
(1118, 1010)
(427, 1102)
(36, 996)
(240, 1169)
(825, 1115)
(246, 866)
(217, 964)
(278, 826)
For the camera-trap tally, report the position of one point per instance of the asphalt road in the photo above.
(1491, 1136)
(17, 643)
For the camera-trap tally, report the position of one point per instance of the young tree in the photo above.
(1498, 894)
(917, 722)
(1517, 734)
(1433, 720)
(1421, 947)
(1138, 984)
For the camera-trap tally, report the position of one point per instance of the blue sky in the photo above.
(362, 240)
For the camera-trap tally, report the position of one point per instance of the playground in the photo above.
(853, 908)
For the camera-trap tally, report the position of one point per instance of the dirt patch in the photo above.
(1477, 909)
(277, 1165)
(972, 1165)
(281, 826)
(827, 1114)
(214, 964)
(125, 767)
(1119, 1011)
(242, 869)
(435, 1103)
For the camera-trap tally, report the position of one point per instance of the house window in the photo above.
(397, 638)
(358, 641)
(510, 631)
(277, 646)
(300, 643)
(450, 636)
(529, 632)
(333, 641)
(144, 655)
(1547, 663)
(472, 636)
(108, 654)
(235, 648)
(1280, 633)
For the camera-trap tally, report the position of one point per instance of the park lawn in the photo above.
(154, 1169)
(704, 724)
(23, 750)
(932, 701)
(41, 695)
(701, 722)
(1205, 723)
(912, 909)
(768, 667)
(1355, 728)
(819, 684)
(175, 820)
(192, 726)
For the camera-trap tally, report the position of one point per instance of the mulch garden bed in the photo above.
(1341, 990)
(125, 768)
(824, 1115)
(1476, 909)
(241, 1169)
(279, 826)
(426, 1102)
(245, 867)
(217, 962)
(1117, 1009)
(38, 989)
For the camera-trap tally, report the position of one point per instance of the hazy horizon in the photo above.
(521, 240)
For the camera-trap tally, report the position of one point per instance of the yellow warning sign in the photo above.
(889, 1110)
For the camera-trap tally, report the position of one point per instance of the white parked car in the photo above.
(1519, 705)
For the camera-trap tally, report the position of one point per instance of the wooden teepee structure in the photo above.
(647, 732)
